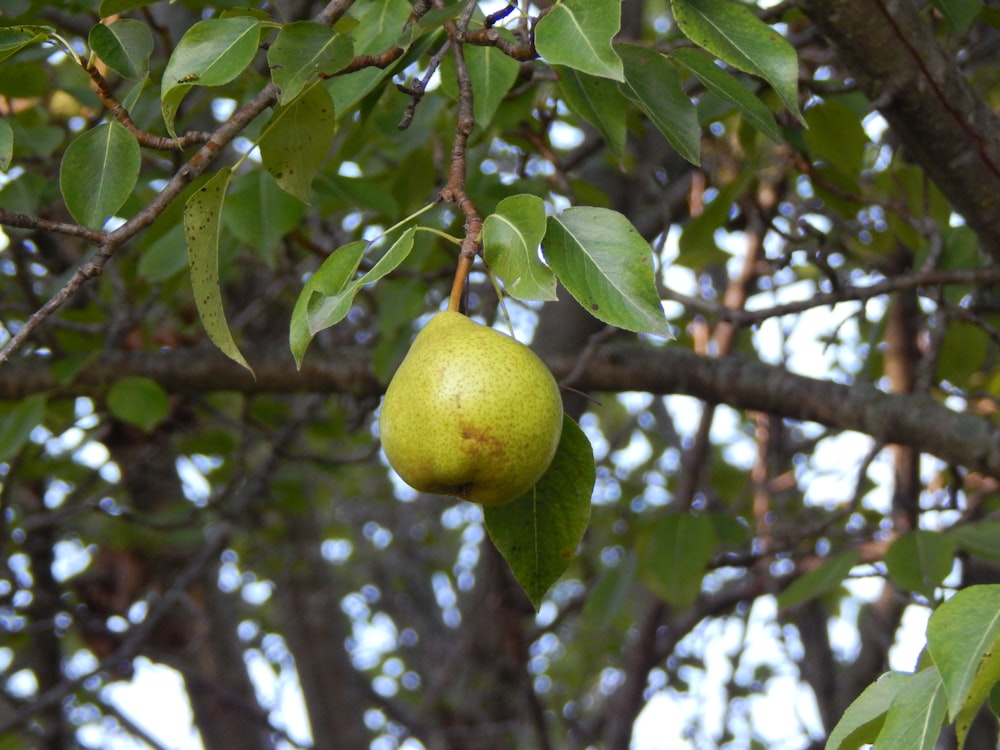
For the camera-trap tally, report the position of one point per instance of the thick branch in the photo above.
(943, 123)
(917, 421)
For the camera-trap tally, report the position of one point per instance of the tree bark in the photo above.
(945, 125)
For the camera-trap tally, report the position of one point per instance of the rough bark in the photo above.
(917, 421)
(944, 124)
(308, 605)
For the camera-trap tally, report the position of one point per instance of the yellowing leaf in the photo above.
(296, 141)
(202, 223)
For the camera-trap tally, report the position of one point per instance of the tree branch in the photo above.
(918, 420)
(948, 128)
(984, 276)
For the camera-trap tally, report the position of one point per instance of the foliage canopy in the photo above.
(756, 243)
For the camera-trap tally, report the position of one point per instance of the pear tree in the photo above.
(500, 373)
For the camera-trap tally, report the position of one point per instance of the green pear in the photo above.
(471, 413)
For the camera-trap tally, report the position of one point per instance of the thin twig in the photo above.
(454, 190)
(144, 138)
(972, 276)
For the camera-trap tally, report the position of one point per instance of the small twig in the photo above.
(487, 37)
(848, 293)
(498, 16)
(145, 138)
(417, 88)
(24, 221)
(380, 60)
(333, 12)
(454, 190)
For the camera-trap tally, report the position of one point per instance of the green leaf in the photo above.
(17, 423)
(653, 82)
(125, 46)
(920, 561)
(539, 532)
(6, 145)
(731, 32)
(202, 225)
(329, 294)
(138, 401)
(675, 556)
(826, 577)
(259, 213)
(981, 539)
(836, 136)
(297, 139)
(963, 352)
(960, 13)
(331, 278)
(15, 38)
(98, 172)
(600, 102)
(211, 53)
(963, 638)
(915, 718)
(333, 307)
(723, 85)
(608, 268)
(492, 74)
(578, 34)
(610, 596)
(378, 28)
(165, 257)
(864, 718)
(511, 237)
(303, 53)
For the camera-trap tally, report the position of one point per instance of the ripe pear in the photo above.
(471, 413)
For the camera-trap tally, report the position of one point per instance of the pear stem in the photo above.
(458, 285)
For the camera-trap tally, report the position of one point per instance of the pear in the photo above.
(471, 413)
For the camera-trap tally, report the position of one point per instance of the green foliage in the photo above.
(829, 575)
(604, 263)
(675, 556)
(211, 53)
(98, 173)
(538, 534)
(920, 561)
(908, 710)
(138, 401)
(731, 32)
(654, 84)
(125, 46)
(323, 177)
(511, 237)
(17, 421)
(202, 224)
(578, 34)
